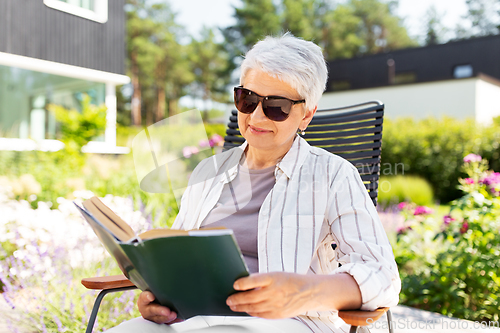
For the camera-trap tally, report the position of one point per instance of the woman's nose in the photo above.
(258, 113)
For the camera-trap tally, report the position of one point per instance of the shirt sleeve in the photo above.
(363, 248)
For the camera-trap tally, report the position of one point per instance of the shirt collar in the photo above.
(295, 157)
(289, 164)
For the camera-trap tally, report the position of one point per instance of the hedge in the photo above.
(434, 149)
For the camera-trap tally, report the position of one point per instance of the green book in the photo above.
(191, 272)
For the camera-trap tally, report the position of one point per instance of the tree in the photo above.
(158, 63)
(168, 67)
(211, 66)
(380, 29)
(484, 16)
(338, 33)
(137, 38)
(345, 30)
(254, 20)
(435, 29)
(299, 17)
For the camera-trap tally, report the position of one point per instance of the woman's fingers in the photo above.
(272, 295)
(251, 296)
(153, 311)
(253, 281)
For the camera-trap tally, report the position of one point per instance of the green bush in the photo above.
(433, 149)
(215, 129)
(452, 266)
(396, 189)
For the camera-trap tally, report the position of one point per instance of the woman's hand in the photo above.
(285, 295)
(273, 295)
(154, 311)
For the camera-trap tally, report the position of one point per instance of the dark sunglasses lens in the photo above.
(244, 101)
(277, 109)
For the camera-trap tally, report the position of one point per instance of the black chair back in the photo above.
(352, 132)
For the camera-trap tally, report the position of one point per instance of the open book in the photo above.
(191, 272)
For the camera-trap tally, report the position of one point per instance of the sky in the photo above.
(194, 14)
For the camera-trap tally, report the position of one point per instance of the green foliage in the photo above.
(125, 135)
(158, 63)
(453, 267)
(340, 31)
(78, 128)
(254, 20)
(433, 149)
(380, 29)
(212, 129)
(56, 173)
(212, 69)
(163, 67)
(396, 189)
(343, 30)
(116, 176)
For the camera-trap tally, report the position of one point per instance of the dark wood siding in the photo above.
(429, 63)
(30, 28)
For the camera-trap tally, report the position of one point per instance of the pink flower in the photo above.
(491, 179)
(403, 229)
(402, 205)
(203, 143)
(447, 219)
(472, 158)
(469, 181)
(464, 228)
(189, 150)
(216, 138)
(422, 210)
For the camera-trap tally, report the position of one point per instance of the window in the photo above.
(95, 10)
(25, 95)
(462, 71)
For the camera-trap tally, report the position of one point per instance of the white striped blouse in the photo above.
(318, 199)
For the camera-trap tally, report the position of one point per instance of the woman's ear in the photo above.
(308, 117)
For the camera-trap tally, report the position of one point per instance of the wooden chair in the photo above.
(353, 132)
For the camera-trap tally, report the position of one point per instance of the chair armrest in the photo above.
(107, 282)
(361, 318)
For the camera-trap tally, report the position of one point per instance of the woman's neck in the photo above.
(261, 159)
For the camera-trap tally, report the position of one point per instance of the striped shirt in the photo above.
(318, 199)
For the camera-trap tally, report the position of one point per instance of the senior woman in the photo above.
(286, 202)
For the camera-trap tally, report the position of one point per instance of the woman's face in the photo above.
(261, 132)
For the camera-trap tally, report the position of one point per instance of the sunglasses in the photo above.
(276, 108)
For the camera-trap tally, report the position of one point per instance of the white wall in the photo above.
(487, 102)
(454, 98)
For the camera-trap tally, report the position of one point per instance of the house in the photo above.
(459, 79)
(54, 52)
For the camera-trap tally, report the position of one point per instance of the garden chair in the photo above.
(352, 132)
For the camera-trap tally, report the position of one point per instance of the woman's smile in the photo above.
(258, 131)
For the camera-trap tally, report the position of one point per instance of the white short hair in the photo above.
(295, 61)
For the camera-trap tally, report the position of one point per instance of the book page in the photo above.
(161, 233)
(116, 225)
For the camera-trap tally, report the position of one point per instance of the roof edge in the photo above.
(56, 68)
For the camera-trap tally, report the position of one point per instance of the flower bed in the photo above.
(44, 254)
(452, 266)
